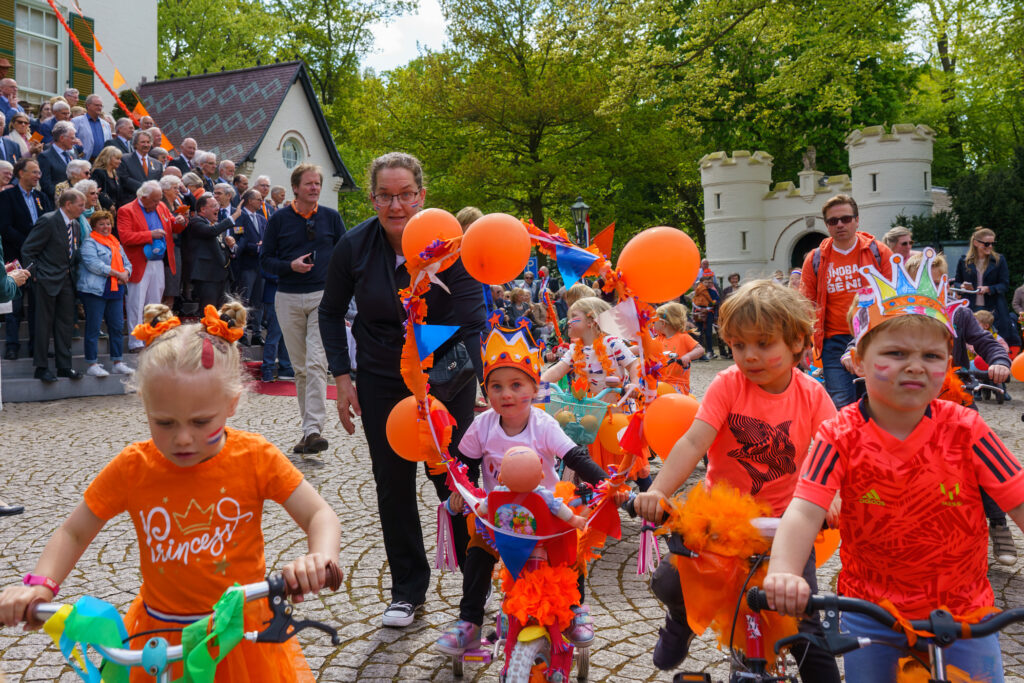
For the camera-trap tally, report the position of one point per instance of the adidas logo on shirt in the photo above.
(872, 498)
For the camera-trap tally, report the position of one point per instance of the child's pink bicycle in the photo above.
(156, 655)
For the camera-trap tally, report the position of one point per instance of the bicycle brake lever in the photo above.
(283, 625)
(790, 640)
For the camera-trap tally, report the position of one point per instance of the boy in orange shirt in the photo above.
(755, 424)
(909, 468)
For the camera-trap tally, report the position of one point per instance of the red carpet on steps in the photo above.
(281, 387)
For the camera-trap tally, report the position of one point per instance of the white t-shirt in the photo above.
(486, 440)
(620, 354)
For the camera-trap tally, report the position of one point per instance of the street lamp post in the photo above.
(580, 213)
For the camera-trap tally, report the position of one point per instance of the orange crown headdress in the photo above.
(903, 295)
(507, 348)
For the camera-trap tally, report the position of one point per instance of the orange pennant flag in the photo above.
(139, 110)
(118, 79)
(96, 42)
(603, 240)
(165, 143)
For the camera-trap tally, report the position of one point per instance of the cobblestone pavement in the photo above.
(50, 451)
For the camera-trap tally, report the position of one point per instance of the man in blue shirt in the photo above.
(9, 99)
(90, 127)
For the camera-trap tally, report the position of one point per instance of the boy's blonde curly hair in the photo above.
(767, 309)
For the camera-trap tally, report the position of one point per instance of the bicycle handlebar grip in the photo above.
(334, 575)
(32, 622)
(630, 505)
(757, 599)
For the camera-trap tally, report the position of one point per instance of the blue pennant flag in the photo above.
(429, 337)
(572, 263)
(514, 550)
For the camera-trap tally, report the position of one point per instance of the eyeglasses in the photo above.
(836, 220)
(985, 244)
(311, 227)
(382, 200)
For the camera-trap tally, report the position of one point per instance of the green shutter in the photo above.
(82, 77)
(7, 32)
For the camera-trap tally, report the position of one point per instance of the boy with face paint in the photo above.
(909, 468)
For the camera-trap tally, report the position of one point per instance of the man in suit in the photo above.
(247, 259)
(92, 130)
(9, 98)
(207, 169)
(241, 184)
(53, 162)
(187, 159)
(225, 171)
(51, 250)
(9, 151)
(20, 208)
(263, 186)
(137, 167)
(211, 245)
(61, 112)
(124, 130)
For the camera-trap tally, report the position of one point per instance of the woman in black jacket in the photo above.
(104, 173)
(367, 265)
(993, 284)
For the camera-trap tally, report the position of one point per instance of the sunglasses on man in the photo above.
(836, 220)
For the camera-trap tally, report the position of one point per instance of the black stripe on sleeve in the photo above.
(1012, 464)
(989, 442)
(816, 460)
(831, 464)
(988, 463)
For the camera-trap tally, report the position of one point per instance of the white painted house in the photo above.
(755, 228)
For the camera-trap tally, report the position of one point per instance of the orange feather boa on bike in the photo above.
(716, 524)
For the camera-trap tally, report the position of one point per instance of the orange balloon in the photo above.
(608, 432)
(424, 228)
(402, 428)
(1017, 367)
(667, 419)
(666, 388)
(495, 248)
(659, 264)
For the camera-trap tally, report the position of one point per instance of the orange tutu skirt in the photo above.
(247, 663)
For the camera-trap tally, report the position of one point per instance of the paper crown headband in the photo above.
(507, 348)
(886, 299)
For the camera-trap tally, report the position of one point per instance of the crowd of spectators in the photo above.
(105, 220)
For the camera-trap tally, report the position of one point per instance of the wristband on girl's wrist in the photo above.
(36, 580)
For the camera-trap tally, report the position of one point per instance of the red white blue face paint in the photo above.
(214, 437)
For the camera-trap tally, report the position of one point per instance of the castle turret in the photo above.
(891, 173)
(733, 208)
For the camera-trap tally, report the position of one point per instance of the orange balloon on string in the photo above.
(667, 419)
(608, 432)
(495, 248)
(423, 229)
(659, 264)
(402, 428)
(1017, 367)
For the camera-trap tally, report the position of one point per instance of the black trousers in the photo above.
(54, 315)
(23, 307)
(396, 484)
(816, 665)
(206, 293)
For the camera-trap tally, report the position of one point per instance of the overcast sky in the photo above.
(396, 43)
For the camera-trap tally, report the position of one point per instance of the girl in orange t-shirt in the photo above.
(671, 326)
(195, 494)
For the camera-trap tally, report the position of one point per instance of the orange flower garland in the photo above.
(580, 368)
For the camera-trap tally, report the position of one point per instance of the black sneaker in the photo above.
(400, 614)
(673, 644)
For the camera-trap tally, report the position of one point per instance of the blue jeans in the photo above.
(876, 663)
(273, 347)
(98, 309)
(838, 382)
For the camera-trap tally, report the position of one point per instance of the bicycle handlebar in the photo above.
(947, 630)
(278, 630)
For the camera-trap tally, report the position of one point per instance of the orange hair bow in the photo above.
(219, 327)
(147, 332)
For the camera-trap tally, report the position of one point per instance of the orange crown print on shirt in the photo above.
(191, 522)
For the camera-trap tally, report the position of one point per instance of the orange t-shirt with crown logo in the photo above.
(199, 528)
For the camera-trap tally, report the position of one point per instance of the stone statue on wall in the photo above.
(810, 158)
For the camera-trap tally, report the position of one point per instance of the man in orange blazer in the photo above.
(145, 227)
